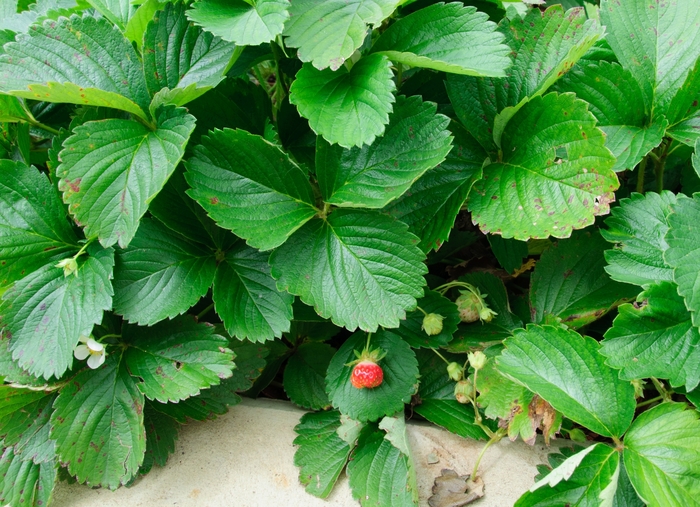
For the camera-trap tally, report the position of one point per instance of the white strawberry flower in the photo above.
(91, 349)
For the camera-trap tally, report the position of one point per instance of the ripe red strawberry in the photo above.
(367, 374)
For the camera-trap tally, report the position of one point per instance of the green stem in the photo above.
(660, 165)
(399, 76)
(205, 311)
(369, 335)
(649, 402)
(259, 77)
(42, 126)
(422, 311)
(641, 170)
(449, 285)
(83, 248)
(665, 395)
(440, 356)
(495, 438)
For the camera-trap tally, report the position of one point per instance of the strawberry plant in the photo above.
(479, 213)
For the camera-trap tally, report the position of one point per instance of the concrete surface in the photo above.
(245, 459)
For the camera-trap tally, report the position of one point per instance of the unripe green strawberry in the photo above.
(472, 306)
(367, 374)
(432, 324)
(455, 371)
(477, 359)
(464, 391)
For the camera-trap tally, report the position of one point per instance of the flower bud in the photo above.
(454, 370)
(577, 435)
(432, 324)
(477, 359)
(638, 385)
(70, 266)
(464, 391)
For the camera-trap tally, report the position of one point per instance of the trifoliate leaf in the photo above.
(617, 101)
(246, 298)
(350, 108)
(655, 338)
(327, 33)
(581, 480)
(638, 227)
(570, 283)
(369, 404)
(415, 141)
(181, 57)
(447, 37)
(245, 23)
(180, 213)
(683, 253)
(111, 169)
(176, 358)
(380, 474)
(161, 275)
(33, 226)
(568, 371)
(437, 397)
(411, 329)
(97, 66)
(98, 425)
(305, 375)
(46, 312)
(641, 33)
(368, 273)
(161, 435)
(432, 203)
(250, 186)
(321, 454)
(661, 449)
(535, 68)
(22, 482)
(117, 11)
(555, 171)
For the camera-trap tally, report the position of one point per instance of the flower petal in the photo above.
(81, 352)
(95, 346)
(96, 360)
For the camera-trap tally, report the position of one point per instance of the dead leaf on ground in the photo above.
(452, 490)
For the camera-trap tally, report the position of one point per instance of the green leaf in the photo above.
(117, 11)
(305, 375)
(555, 171)
(637, 227)
(350, 108)
(250, 186)
(683, 254)
(45, 312)
(585, 485)
(99, 67)
(509, 252)
(11, 110)
(176, 358)
(161, 275)
(245, 23)
(11, 371)
(687, 131)
(400, 378)
(321, 454)
(181, 57)
(246, 298)
(138, 22)
(328, 33)
(658, 43)
(33, 226)
(432, 203)
(655, 338)
(411, 329)
(98, 425)
(415, 140)
(111, 169)
(568, 371)
(161, 435)
(24, 482)
(437, 398)
(27, 428)
(359, 268)
(617, 101)
(535, 67)
(447, 37)
(626, 496)
(379, 472)
(181, 214)
(661, 449)
(570, 283)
